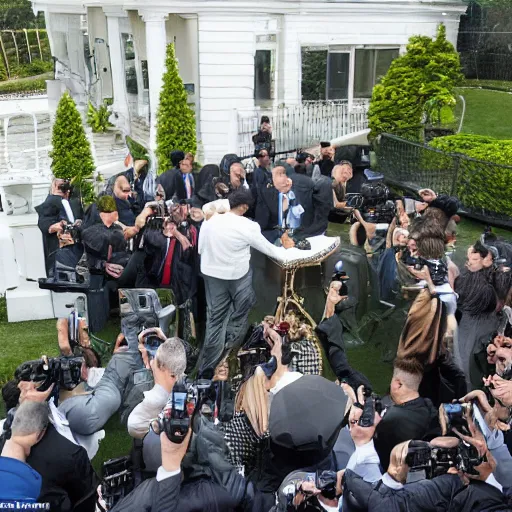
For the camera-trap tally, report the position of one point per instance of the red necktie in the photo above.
(166, 277)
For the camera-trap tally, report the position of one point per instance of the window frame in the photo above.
(271, 46)
(351, 49)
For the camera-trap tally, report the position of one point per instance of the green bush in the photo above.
(71, 154)
(480, 183)
(3, 71)
(420, 82)
(24, 85)
(176, 124)
(34, 68)
(97, 119)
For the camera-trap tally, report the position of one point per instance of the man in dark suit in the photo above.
(54, 213)
(178, 182)
(305, 206)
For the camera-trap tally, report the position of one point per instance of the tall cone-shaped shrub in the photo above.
(71, 154)
(176, 123)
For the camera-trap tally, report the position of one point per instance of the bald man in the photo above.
(122, 195)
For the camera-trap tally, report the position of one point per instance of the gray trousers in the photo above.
(87, 414)
(227, 313)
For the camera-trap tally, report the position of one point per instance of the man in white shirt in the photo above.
(225, 243)
(168, 366)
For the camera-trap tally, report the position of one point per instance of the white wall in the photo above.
(358, 28)
(226, 67)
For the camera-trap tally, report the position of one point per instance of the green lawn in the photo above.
(29, 340)
(500, 85)
(487, 113)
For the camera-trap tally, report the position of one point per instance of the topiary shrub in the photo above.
(176, 124)
(71, 154)
(418, 85)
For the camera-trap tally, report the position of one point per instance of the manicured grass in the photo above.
(499, 85)
(487, 113)
(29, 340)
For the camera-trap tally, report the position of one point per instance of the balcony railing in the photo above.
(304, 125)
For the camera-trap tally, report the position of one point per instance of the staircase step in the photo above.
(29, 302)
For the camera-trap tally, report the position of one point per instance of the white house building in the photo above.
(238, 59)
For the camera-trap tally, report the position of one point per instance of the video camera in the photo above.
(64, 371)
(377, 208)
(177, 415)
(437, 461)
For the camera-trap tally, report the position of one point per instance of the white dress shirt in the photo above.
(154, 401)
(225, 243)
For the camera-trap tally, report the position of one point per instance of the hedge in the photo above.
(485, 179)
(25, 85)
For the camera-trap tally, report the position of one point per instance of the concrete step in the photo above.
(29, 302)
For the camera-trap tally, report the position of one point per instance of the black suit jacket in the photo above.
(50, 212)
(267, 212)
(69, 481)
(173, 184)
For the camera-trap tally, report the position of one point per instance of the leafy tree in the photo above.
(176, 124)
(417, 84)
(18, 14)
(71, 154)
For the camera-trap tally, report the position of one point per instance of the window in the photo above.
(326, 72)
(129, 64)
(338, 71)
(371, 65)
(314, 74)
(263, 75)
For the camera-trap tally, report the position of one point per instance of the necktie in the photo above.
(166, 277)
(188, 186)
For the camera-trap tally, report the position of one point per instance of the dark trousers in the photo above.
(228, 304)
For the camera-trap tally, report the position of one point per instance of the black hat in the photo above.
(325, 144)
(177, 157)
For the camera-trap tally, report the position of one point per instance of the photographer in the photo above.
(18, 481)
(410, 416)
(87, 414)
(105, 245)
(168, 366)
(209, 482)
(55, 213)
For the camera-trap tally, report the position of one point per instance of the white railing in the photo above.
(304, 125)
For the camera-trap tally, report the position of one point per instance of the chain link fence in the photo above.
(484, 188)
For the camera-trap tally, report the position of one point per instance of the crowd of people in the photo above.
(226, 416)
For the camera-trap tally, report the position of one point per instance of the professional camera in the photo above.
(455, 415)
(325, 482)
(118, 480)
(73, 230)
(437, 461)
(63, 371)
(340, 275)
(177, 415)
(437, 268)
(65, 187)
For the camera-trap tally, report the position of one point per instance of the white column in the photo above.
(156, 44)
(120, 106)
